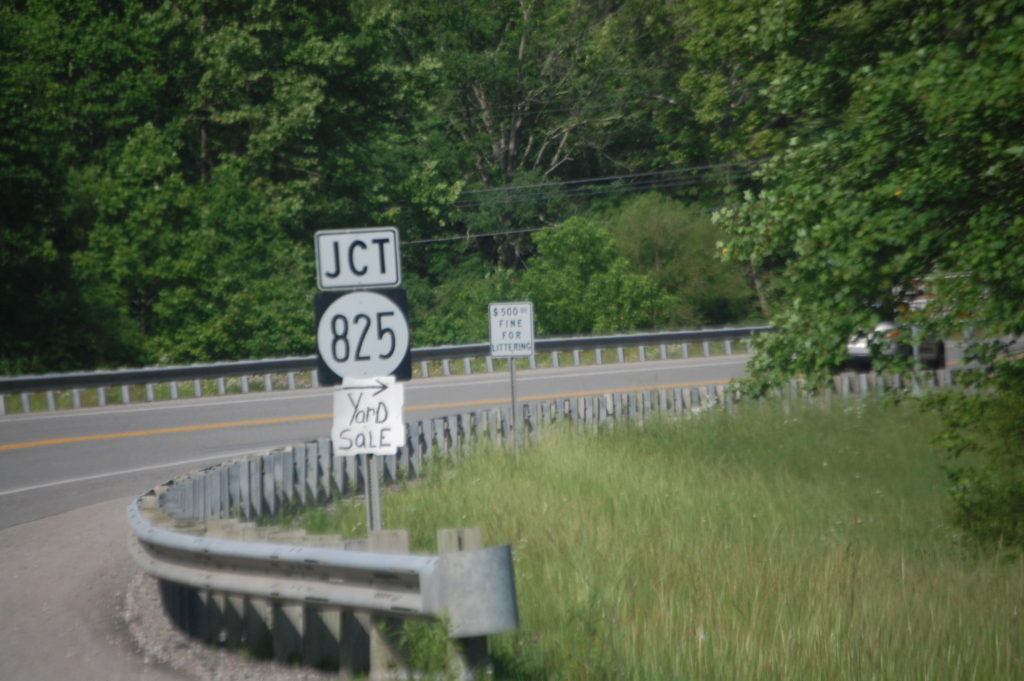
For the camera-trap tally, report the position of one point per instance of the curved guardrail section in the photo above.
(321, 604)
(325, 604)
(397, 583)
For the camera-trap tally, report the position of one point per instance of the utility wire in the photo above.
(530, 230)
(451, 116)
(594, 186)
(554, 192)
(612, 178)
(467, 237)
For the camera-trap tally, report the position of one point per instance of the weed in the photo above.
(426, 644)
(810, 543)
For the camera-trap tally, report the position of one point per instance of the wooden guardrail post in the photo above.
(354, 645)
(385, 655)
(470, 654)
(287, 632)
(257, 615)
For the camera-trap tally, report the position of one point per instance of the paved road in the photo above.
(66, 478)
(54, 462)
(62, 590)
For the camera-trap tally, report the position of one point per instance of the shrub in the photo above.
(984, 437)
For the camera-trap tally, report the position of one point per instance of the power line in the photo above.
(529, 230)
(554, 191)
(467, 237)
(612, 178)
(452, 116)
(594, 186)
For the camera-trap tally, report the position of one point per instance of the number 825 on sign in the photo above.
(363, 334)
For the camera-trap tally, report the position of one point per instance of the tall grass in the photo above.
(766, 544)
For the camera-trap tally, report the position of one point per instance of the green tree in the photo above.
(517, 82)
(455, 310)
(911, 187)
(580, 284)
(915, 185)
(58, 110)
(168, 163)
(986, 465)
(675, 245)
(529, 95)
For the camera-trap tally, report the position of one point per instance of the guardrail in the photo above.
(325, 605)
(173, 382)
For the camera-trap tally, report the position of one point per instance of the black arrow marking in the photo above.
(381, 387)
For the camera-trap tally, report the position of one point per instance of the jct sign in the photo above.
(358, 258)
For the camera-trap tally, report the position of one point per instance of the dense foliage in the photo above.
(986, 472)
(165, 166)
(897, 197)
(165, 163)
(904, 189)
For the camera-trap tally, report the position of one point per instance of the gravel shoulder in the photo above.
(74, 606)
(62, 595)
(165, 645)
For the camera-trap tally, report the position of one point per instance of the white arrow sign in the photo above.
(368, 416)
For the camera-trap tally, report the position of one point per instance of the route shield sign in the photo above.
(362, 334)
(368, 417)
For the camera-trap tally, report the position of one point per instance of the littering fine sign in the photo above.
(511, 329)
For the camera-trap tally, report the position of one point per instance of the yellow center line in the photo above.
(314, 417)
(163, 431)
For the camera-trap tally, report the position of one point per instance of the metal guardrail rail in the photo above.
(50, 384)
(324, 605)
(321, 604)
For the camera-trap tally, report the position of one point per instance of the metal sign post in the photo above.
(371, 474)
(512, 384)
(368, 420)
(362, 339)
(511, 327)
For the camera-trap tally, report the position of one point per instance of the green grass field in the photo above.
(768, 544)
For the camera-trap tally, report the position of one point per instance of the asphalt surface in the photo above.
(67, 477)
(57, 461)
(62, 589)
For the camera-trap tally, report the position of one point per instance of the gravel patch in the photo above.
(161, 643)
